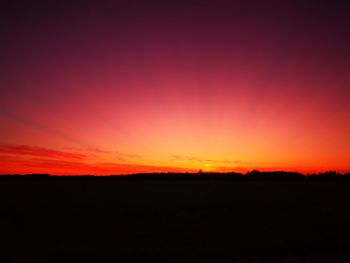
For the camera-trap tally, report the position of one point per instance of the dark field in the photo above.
(174, 221)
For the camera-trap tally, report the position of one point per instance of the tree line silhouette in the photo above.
(252, 175)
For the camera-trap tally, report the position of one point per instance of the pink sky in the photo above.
(123, 89)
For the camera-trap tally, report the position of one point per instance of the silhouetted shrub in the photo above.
(38, 176)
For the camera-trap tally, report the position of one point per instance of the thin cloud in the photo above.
(28, 159)
(201, 160)
(117, 155)
(77, 167)
(127, 155)
(24, 150)
(26, 120)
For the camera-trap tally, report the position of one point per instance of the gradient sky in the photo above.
(109, 87)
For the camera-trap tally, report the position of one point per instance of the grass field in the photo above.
(174, 221)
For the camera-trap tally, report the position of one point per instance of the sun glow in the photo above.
(208, 167)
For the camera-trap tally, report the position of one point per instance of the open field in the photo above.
(174, 221)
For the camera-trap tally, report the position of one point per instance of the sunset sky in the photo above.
(115, 87)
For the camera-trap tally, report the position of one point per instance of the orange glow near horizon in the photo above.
(26, 160)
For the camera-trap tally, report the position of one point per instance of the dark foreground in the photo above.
(174, 221)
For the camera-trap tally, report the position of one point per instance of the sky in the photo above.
(118, 87)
